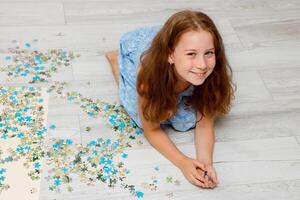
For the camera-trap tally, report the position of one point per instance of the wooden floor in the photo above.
(257, 150)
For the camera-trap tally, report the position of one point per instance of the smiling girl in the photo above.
(178, 75)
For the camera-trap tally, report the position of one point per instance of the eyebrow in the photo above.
(196, 49)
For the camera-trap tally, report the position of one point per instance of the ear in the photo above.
(171, 58)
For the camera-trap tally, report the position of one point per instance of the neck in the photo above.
(181, 86)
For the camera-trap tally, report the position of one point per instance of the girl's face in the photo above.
(193, 58)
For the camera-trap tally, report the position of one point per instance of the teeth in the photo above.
(200, 74)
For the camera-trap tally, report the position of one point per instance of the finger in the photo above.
(197, 182)
(214, 178)
(207, 180)
(199, 174)
(217, 180)
(211, 183)
(200, 165)
(200, 177)
(204, 176)
(211, 175)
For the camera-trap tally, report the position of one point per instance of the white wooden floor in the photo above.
(257, 151)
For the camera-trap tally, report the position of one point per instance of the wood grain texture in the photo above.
(257, 150)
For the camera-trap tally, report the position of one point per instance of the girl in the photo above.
(176, 75)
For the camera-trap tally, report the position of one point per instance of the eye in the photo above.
(209, 53)
(191, 54)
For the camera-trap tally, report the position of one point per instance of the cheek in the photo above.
(212, 61)
(182, 66)
(183, 70)
(187, 65)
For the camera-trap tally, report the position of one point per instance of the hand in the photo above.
(211, 177)
(189, 169)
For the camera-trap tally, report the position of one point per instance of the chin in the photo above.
(198, 82)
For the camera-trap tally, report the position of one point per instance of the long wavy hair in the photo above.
(156, 80)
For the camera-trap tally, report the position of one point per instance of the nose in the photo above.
(204, 68)
(201, 64)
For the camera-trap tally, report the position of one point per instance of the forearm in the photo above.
(204, 143)
(162, 143)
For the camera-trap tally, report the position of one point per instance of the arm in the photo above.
(162, 143)
(160, 140)
(205, 139)
(204, 142)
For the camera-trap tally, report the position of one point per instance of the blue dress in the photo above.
(132, 44)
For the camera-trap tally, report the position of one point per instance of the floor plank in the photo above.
(257, 150)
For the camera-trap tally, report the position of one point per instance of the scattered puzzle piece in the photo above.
(92, 163)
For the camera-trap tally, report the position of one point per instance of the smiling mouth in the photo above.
(200, 74)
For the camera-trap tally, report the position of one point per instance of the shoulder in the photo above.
(205, 121)
(142, 87)
(147, 124)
